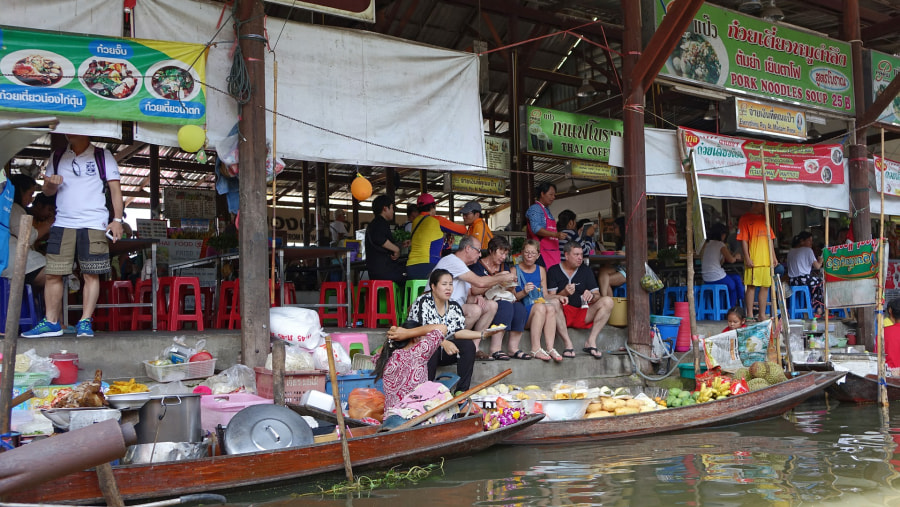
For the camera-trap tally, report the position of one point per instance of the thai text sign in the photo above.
(884, 69)
(477, 184)
(189, 203)
(102, 77)
(596, 171)
(891, 172)
(734, 157)
(496, 150)
(726, 49)
(852, 261)
(769, 119)
(570, 135)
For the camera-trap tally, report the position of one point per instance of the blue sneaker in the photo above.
(84, 329)
(43, 329)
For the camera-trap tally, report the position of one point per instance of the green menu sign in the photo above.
(570, 135)
(852, 261)
(884, 69)
(727, 50)
(102, 77)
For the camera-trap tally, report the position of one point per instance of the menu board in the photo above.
(189, 203)
(151, 229)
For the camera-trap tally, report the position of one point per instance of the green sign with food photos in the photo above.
(884, 69)
(724, 49)
(563, 134)
(102, 77)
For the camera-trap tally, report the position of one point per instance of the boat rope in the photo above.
(669, 356)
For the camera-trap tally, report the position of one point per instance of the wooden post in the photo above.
(339, 411)
(773, 297)
(304, 183)
(13, 312)
(154, 182)
(278, 353)
(879, 299)
(252, 157)
(825, 285)
(274, 182)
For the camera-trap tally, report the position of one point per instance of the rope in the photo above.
(667, 357)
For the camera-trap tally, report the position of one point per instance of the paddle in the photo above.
(449, 403)
(335, 392)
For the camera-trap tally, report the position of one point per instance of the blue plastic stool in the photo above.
(29, 317)
(801, 302)
(621, 291)
(712, 302)
(840, 312)
(768, 303)
(671, 295)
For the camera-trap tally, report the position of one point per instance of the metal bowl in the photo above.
(564, 410)
(128, 401)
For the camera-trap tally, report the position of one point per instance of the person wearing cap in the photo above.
(477, 225)
(428, 238)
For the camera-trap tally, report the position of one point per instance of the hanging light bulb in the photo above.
(586, 89)
(750, 6)
(772, 13)
(710, 112)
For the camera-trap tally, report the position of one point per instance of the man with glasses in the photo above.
(79, 231)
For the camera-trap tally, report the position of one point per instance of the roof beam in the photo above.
(509, 8)
(879, 30)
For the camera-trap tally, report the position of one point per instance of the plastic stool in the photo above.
(768, 303)
(229, 310)
(368, 293)
(621, 291)
(713, 302)
(339, 315)
(114, 292)
(28, 317)
(143, 293)
(801, 302)
(207, 294)
(348, 339)
(179, 288)
(671, 295)
(839, 312)
(290, 294)
(412, 290)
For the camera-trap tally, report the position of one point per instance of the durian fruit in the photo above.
(759, 369)
(742, 372)
(775, 374)
(757, 384)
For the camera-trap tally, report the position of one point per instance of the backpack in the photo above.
(100, 159)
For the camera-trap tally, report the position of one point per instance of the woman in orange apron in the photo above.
(541, 225)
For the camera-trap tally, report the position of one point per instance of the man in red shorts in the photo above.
(574, 284)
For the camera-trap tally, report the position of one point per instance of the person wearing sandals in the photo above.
(510, 312)
(574, 285)
(540, 313)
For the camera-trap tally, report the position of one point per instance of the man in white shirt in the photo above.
(338, 227)
(80, 231)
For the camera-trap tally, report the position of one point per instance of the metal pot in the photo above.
(165, 451)
(170, 418)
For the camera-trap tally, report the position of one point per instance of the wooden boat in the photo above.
(324, 415)
(368, 449)
(863, 389)
(752, 406)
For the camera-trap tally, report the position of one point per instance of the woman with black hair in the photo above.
(34, 263)
(541, 225)
(801, 260)
(433, 334)
(712, 255)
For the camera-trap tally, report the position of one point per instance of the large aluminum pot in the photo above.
(170, 418)
(165, 451)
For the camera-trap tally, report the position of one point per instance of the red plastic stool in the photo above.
(114, 292)
(103, 317)
(229, 310)
(208, 296)
(290, 294)
(143, 293)
(179, 288)
(340, 314)
(346, 339)
(367, 294)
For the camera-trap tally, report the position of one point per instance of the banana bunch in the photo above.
(705, 394)
(718, 389)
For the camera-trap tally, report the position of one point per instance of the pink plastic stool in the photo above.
(345, 339)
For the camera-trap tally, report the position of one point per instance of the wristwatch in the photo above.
(120, 220)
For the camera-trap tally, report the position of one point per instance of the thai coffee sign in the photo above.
(102, 77)
(734, 157)
(851, 261)
(569, 135)
(727, 50)
(884, 69)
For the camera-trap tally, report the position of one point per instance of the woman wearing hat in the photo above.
(427, 239)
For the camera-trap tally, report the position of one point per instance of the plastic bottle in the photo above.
(814, 325)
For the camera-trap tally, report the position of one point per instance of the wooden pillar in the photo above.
(390, 174)
(322, 222)
(423, 181)
(154, 182)
(451, 203)
(304, 184)
(635, 181)
(860, 217)
(354, 220)
(252, 233)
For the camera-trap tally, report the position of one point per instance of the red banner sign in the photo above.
(733, 157)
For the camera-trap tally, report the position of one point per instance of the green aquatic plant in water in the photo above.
(391, 479)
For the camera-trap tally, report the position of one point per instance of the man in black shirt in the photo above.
(381, 251)
(583, 307)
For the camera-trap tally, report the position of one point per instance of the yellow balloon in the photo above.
(361, 188)
(191, 138)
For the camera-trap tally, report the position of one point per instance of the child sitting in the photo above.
(736, 319)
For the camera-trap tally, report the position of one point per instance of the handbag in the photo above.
(498, 293)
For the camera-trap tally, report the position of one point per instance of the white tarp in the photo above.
(664, 177)
(345, 96)
(100, 17)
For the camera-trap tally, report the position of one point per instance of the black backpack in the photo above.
(100, 159)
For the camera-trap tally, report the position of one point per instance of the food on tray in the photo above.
(37, 70)
(111, 80)
(695, 58)
(85, 394)
(172, 82)
(122, 387)
(562, 394)
(579, 394)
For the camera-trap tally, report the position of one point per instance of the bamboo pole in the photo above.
(879, 299)
(274, 177)
(773, 307)
(339, 411)
(824, 293)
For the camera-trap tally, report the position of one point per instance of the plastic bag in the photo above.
(342, 362)
(227, 150)
(295, 359)
(650, 282)
(36, 364)
(299, 326)
(272, 161)
(658, 350)
(237, 379)
(366, 402)
(740, 387)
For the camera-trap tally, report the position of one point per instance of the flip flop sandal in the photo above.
(555, 355)
(569, 353)
(540, 354)
(500, 356)
(522, 355)
(593, 352)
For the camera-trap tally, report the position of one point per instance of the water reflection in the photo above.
(820, 453)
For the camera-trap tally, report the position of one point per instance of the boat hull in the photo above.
(859, 389)
(752, 406)
(420, 444)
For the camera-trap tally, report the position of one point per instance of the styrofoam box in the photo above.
(318, 399)
(218, 409)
